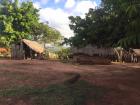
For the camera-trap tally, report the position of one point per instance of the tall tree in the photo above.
(114, 23)
(43, 33)
(127, 21)
(16, 20)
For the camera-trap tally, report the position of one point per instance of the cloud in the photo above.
(37, 5)
(58, 19)
(83, 7)
(70, 3)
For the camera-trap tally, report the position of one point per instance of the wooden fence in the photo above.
(114, 54)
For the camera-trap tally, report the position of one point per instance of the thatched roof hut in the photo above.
(26, 49)
(34, 46)
(137, 51)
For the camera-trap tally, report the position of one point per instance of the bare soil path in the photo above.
(121, 80)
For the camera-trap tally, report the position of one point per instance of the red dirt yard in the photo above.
(122, 81)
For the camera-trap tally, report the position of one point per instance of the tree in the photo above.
(127, 21)
(39, 30)
(43, 33)
(114, 23)
(52, 36)
(16, 20)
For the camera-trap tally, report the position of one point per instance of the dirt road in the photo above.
(121, 80)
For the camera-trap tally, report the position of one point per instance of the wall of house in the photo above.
(17, 51)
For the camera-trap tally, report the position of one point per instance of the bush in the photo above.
(64, 54)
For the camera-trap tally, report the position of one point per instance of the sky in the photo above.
(56, 12)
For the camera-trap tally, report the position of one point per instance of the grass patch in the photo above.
(14, 75)
(57, 94)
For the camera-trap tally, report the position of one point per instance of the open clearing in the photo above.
(119, 83)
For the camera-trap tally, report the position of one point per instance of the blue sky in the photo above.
(59, 3)
(58, 11)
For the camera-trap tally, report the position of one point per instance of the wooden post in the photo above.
(31, 56)
(21, 51)
(13, 51)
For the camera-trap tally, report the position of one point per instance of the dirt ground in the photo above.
(121, 80)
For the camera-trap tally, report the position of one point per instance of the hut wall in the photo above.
(17, 51)
(109, 53)
(94, 51)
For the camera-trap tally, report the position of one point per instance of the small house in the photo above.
(27, 49)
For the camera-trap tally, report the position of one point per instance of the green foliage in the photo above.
(16, 20)
(64, 54)
(57, 94)
(21, 20)
(38, 30)
(51, 35)
(114, 23)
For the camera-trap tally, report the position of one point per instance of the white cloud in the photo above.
(58, 19)
(37, 5)
(83, 7)
(70, 3)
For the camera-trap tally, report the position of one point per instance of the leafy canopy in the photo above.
(114, 23)
(16, 19)
(20, 20)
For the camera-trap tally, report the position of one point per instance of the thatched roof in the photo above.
(34, 45)
(137, 51)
